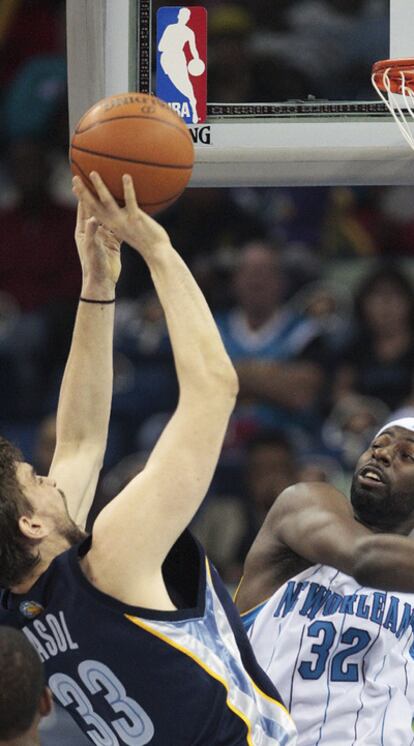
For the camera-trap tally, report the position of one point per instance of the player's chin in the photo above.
(369, 500)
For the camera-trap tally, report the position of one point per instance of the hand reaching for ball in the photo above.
(129, 223)
(99, 252)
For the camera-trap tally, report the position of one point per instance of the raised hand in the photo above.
(129, 223)
(98, 249)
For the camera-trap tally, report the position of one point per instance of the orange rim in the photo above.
(394, 70)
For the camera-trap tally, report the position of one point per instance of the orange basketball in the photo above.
(138, 134)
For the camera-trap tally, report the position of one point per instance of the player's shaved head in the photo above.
(22, 684)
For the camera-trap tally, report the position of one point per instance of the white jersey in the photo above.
(342, 658)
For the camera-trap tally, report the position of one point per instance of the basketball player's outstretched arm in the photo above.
(134, 533)
(86, 390)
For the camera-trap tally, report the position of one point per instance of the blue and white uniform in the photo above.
(132, 676)
(341, 656)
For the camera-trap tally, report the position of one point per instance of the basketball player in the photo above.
(173, 60)
(24, 698)
(140, 643)
(340, 651)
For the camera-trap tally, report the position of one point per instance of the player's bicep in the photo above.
(317, 523)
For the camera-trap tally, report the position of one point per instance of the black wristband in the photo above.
(92, 300)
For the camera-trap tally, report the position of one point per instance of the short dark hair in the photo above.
(22, 683)
(16, 556)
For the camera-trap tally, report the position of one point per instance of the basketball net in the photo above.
(393, 80)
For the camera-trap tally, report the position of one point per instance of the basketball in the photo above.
(138, 134)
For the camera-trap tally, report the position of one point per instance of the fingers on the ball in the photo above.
(102, 190)
(83, 213)
(83, 194)
(129, 193)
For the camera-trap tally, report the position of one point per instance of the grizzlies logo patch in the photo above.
(30, 609)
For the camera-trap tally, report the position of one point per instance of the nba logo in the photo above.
(181, 61)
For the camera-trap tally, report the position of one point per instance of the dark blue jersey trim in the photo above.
(249, 617)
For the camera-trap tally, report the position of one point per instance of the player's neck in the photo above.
(49, 548)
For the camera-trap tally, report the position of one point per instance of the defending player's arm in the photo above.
(134, 533)
(86, 390)
(316, 522)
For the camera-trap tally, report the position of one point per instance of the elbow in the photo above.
(224, 380)
(232, 382)
(209, 378)
(225, 387)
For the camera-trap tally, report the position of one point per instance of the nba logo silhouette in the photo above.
(182, 61)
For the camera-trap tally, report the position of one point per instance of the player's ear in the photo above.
(46, 702)
(32, 528)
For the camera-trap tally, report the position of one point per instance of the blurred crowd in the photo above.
(312, 288)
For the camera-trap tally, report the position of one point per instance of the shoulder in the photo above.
(305, 496)
(295, 509)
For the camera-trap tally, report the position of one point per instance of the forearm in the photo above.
(199, 353)
(200, 356)
(385, 561)
(86, 390)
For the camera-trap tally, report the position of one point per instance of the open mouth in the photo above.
(371, 475)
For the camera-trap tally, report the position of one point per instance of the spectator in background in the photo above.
(24, 697)
(227, 524)
(328, 304)
(353, 225)
(208, 223)
(38, 267)
(22, 340)
(37, 263)
(395, 208)
(291, 215)
(379, 359)
(276, 351)
(29, 28)
(349, 429)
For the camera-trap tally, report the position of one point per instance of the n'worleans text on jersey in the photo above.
(381, 608)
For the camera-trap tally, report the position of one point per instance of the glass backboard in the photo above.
(289, 95)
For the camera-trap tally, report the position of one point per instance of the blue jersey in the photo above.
(133, 676)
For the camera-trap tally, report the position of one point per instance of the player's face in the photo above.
(49, 502)
(382, 492)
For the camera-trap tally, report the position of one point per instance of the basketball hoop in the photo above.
(396, 79)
